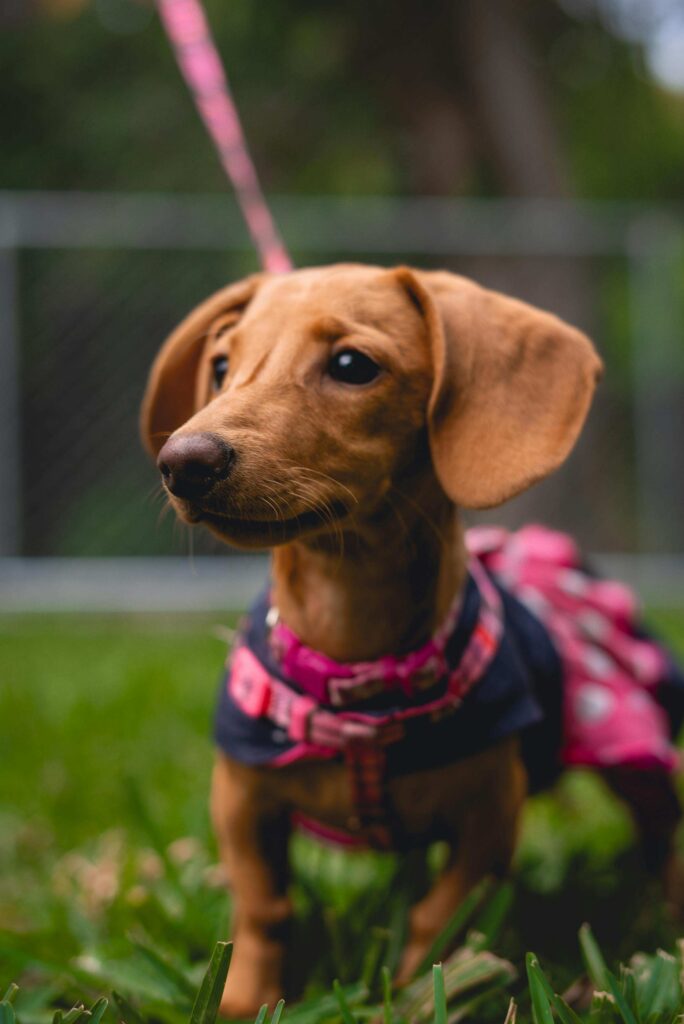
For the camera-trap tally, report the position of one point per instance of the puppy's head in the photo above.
(290, 405)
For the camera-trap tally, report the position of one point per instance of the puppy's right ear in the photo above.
(169, 398)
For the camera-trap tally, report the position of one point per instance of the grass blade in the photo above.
(629, 990)
(620, 1001)
(128, 1013)
(511, 1013)
(602, 1009)
(373, 958)
(565, 1014)
(7, 1015)
(280, 1006)
(465, 973)
(539, 991)
(489, 922)
(261, 1015)
(11, 993)
(439, 994)
(593, 958)
(97, 1010)
(76, 1014)
(347, 1016)
(324, 1007)
(652, 989)
(398, 930)
(386, 995)
(208, 998)
(661, 988)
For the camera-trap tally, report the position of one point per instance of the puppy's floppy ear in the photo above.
(512, 387)
(169, 398)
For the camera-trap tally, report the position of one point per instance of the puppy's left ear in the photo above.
(512, 387)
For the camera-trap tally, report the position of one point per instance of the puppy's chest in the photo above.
(422, 806)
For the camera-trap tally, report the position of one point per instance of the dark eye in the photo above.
(219, 371)
(349, 366)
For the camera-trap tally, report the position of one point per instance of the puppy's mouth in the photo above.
(253, 532)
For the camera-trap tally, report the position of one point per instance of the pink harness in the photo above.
(611, 674)
(321, 733)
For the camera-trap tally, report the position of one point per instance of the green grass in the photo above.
(108, 874)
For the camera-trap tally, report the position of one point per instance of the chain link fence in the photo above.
(91, 284)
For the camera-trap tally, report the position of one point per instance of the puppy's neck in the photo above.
(382, 588)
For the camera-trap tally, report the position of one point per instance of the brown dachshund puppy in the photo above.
(341, 416)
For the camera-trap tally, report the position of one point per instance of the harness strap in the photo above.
(188, 30)
(317, 731)
(343, 683)
(366, 764)
(261, 695)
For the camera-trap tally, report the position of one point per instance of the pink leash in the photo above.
(198, 59)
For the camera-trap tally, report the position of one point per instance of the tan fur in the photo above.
(356, 490)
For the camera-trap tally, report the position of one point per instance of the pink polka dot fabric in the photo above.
(612, 673)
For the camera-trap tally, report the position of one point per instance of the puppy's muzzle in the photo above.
(193, 464)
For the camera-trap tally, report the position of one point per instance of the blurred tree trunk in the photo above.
(466, 88)
(517, 133)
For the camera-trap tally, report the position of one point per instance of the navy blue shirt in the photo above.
(520, 692)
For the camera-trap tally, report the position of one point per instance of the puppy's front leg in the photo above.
(252, 830)
(481, 811)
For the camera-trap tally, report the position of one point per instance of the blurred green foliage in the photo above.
(94, 100)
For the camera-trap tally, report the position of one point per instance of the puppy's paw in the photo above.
(411, 959)
(254, 977)
(240, 1005)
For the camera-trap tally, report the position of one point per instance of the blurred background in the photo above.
(537, 145)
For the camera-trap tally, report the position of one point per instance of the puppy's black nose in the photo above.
(192, 464)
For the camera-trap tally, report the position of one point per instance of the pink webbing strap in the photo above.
(320, 732)
(190, 35)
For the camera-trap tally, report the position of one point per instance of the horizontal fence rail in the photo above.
(130, 585)
(91, 283)
(205, 584)
(428, 225)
